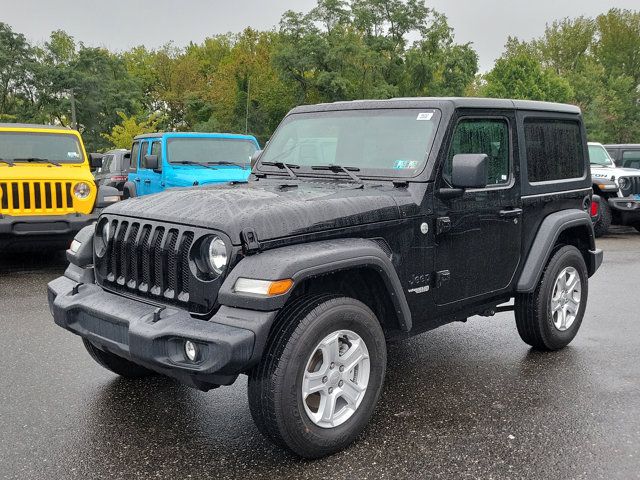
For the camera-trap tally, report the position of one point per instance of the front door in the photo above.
(478, 234)
(147, 176)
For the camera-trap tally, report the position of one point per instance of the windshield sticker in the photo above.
(404, 164)
(73, 155)
(425, 116)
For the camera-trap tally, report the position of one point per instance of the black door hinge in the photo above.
(250, 242)
(443, 225)
(442, 277)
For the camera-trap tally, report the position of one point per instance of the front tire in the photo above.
(321, 375)
(116, 364)
(550, 317)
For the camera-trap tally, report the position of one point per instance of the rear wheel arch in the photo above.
(566, 227)
(578, 236)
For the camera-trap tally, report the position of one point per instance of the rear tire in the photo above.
(601, 227)
(298, 360)
(116, 364)
(550, 317)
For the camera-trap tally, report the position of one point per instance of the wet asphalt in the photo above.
(465, 401)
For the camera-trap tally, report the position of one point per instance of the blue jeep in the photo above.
(179, 159)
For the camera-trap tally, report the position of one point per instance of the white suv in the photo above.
(619, 186)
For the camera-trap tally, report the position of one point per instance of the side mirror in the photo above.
(470, 170)
(95, 160)
(151, 162)
(255, 157)
(107, 196)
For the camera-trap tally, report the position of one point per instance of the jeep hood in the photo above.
(271, 209)
(186, 176)
(44, 171)
(608, 172)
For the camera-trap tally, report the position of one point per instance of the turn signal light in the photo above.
(280, 287)
(267, 288)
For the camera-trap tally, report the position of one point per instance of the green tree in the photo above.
(17, 63)
(521, 76)
(122, 135)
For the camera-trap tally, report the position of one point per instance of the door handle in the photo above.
(147, 181)
(137, 180)
(511, 212)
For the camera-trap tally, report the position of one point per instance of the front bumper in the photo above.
(20, 227)
(627, 209)
(229, 343)
(625, 204)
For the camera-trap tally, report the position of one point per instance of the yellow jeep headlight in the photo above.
(81, 190)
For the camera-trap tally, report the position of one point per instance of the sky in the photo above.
(121, 24)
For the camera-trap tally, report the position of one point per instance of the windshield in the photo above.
(22, 146)
(598, 155)
(384, 142)
(210, 150)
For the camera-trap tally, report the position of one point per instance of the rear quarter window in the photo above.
(554, 149)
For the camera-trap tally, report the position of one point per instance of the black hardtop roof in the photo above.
(33, 125)
(437, 102)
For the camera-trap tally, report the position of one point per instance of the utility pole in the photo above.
(246, 114)
(74, 123)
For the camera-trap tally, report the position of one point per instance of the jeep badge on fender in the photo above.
(361, 222)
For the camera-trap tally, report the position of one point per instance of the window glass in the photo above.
(488, 136)
(57, 147)
(598, 155)
(107, 163)
(144, 150)
(210, 150)
(135, 151)
(156, 149)
(378, 142)
(554, 149)
(631, 159)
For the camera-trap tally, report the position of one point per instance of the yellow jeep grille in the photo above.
(36, 197)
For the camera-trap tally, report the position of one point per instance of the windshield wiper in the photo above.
(286, 166)
(224, 162)
(189, 162)
(8, 162)
(339, 168)
(35, 159)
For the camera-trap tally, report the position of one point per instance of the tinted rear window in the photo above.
(554, 149)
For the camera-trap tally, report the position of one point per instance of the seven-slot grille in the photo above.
(36, 197)
(150, 260)
(634, 186)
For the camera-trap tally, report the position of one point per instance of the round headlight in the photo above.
(623, 183)
(215, 254)
(81, 190)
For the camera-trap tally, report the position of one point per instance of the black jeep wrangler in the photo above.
(362, 222)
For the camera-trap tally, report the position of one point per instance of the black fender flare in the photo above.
(131, 188)
(308, 260)
(548, 233)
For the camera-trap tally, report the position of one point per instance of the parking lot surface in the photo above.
(468, 400)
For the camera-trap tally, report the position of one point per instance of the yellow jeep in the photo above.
(47, 192)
